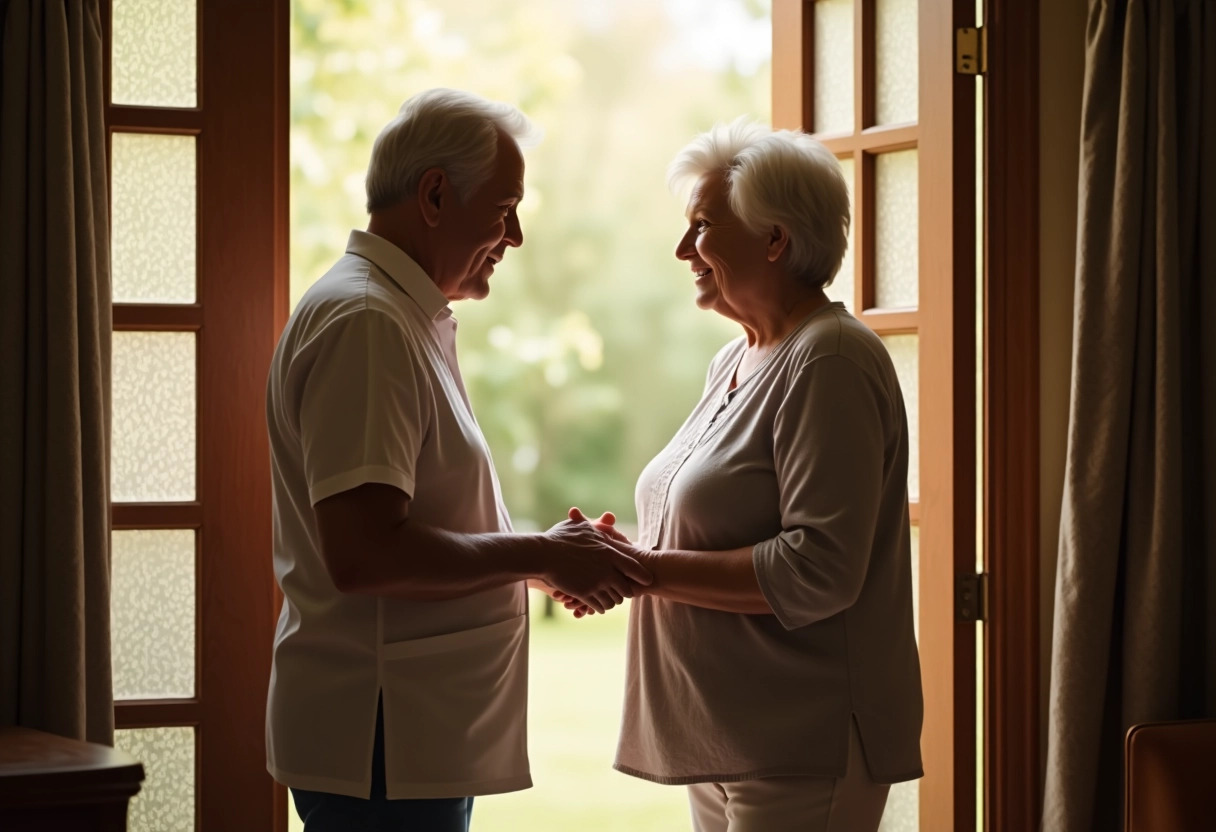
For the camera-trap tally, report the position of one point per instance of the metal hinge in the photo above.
(971, 51)
(971, 597)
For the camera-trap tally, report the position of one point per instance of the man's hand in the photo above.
(606, 526)
(591, 566)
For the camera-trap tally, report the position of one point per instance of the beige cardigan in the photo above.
(807, 459)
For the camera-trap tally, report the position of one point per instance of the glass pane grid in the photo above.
(155, 53)
(152, 608)
(154, 216)
(165, 803)
(842, 287)
(916, 578)
(153, 455)
(897, 226)
(904, 354)
(833, 57)
(896, 43)
(903, 808)
(903, 802)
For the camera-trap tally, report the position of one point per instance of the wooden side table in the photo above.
(48, 782)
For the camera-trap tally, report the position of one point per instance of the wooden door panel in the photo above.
(942, 319)
(206, 749)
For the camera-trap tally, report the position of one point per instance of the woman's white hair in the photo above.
(776, 178)
(441, 128)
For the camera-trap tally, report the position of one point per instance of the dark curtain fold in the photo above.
(1135, 638)
(55, 322)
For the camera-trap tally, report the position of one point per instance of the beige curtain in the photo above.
(1135, 607)
(54, 371)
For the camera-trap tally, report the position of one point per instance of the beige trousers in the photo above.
(852, 803)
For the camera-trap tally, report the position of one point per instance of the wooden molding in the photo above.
(793, 80)
(1011, 541)
(947, 417)
(242, 280)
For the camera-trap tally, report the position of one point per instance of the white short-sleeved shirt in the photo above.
(364, 388)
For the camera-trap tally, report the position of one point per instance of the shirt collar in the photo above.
(403, 270)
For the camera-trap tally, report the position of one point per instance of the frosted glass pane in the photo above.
(153, 447)
(896, 228)
(153, 218)
(166, 801)
(896, 59)
(155, 58)
(903, 808)
(842, 287)
(903, 349)
(833, 66)
(152, 614)
(916, 579)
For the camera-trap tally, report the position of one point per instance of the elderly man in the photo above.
(399, 684)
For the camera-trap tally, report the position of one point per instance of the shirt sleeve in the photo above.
(828, 449)
(363, 406)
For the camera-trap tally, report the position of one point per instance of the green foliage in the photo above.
(589, 352)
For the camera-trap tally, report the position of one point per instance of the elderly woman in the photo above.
(772, 666)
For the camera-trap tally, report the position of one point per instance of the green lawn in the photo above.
(574, 711)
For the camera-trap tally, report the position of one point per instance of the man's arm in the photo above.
(371, 546)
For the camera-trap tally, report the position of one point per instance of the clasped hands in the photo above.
(598, 567)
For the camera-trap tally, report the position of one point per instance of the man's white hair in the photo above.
(776, 178)
(441, 128)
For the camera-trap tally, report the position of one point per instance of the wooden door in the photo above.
(197, 116)
(875, 81)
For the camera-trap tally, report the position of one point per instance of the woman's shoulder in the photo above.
(836, 335)
(833, 331)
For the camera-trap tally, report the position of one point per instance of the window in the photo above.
(198, 261)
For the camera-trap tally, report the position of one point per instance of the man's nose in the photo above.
(515, 232)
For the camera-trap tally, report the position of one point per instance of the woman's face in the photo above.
(727, 259)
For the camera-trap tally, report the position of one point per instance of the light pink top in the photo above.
(807, 461)
(364, 388)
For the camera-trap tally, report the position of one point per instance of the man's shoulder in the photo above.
(354, 286)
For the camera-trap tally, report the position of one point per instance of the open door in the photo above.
(875, 80)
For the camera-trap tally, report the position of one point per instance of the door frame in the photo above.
(1013, 723)
(1010, 471)
(241, 126)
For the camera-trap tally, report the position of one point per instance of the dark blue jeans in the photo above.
(324, 812)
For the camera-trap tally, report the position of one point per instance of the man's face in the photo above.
(478, 229)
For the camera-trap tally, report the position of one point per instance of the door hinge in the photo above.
(971, 596)
(971, 50)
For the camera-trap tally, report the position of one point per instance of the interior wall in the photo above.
(1061, 74)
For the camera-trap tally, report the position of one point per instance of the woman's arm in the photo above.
(722, 580)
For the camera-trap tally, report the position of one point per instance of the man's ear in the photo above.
(778, 242)
(433, 193)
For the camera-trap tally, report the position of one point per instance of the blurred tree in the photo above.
(589, 352)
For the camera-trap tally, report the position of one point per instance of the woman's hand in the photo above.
(606, 526)
(591, 567)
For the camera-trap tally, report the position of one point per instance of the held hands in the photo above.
(596, 568)
(605, 525)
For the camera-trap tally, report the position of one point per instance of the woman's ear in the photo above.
(778, 242)
(432, 193)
